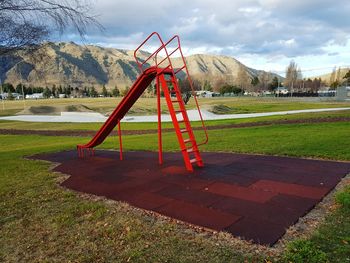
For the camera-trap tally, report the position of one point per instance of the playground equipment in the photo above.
(158, 66)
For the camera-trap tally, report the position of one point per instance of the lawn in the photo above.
(220, 105)
(19, 125)
(40, 221)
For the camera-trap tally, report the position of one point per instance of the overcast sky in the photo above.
(263, 34)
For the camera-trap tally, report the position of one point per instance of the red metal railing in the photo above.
(155, 54)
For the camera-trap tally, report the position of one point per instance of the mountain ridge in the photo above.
(90, 65)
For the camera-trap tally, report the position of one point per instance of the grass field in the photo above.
(18, 125)
(220, 105)
(42, 222)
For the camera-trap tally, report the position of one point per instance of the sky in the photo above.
(262, 34)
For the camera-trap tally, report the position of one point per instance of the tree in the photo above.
(8, 87)
(104, 91)
(335, 78)
(243, 79)
(255, 81)
(93, 92)
(115, 92)
(207, 86)
(186, 88)
(225, 89)
(25, 24)
(347, 78)
(47, 92)
(151, 89)
(264, 80)
(10, 95)
(291, 76)
(125, 91)
(274, 84)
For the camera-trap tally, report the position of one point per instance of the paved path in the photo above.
(192, 114)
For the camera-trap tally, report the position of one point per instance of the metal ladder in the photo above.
(182, 125)
(166, 80)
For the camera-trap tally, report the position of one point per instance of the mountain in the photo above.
(76, 65)
(339, 74)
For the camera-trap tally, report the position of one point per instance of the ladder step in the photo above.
(178, 111)
(181, 121)
(191, 150)
(188, 140)
(174, 101)
(193, 160)
(183, 130)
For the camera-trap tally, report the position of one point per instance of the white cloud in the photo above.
(245, 29)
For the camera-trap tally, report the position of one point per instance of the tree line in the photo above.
(62, 91)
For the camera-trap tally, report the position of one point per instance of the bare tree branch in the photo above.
(27, 23)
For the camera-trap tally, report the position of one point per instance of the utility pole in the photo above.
(20, 77)
(2, 95)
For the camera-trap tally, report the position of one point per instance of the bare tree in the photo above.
(264, 79)
(26, 23)
(243, 79)
(291, 76)
(332, 78)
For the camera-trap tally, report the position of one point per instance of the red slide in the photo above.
(142, 82)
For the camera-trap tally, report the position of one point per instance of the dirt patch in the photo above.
(54, 110)
(85, 133)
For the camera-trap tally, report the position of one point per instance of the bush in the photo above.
(343, 198)
(304, 251)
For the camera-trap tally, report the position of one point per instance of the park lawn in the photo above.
(224, 105)
(40, 221)
(20, 125)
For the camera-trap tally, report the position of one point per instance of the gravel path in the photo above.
(192, 114)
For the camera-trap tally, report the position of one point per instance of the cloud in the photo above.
(268, 28)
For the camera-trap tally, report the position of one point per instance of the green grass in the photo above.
(40, 221)
(20, 125)
(149, 106)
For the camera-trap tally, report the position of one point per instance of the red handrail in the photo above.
(155, 55)
(152, 55)
(188, 76)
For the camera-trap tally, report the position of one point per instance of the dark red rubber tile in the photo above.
(151, 186)
(203, 198)
(329, 180)
(188, 182)
(268, 192)
(257, 230)
(284, 216)
(291, 189)
(198, 215)
(250, 194)
(147, 200)
(300, 204)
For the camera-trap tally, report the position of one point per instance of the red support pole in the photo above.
(160, 153)
(120, 142)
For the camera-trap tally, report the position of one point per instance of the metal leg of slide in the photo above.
(160, 151)
(120, 142)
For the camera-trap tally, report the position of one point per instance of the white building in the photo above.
(35, 96)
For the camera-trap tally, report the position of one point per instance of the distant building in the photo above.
(343, 93)
(5, 96)
(35, 96)
(326, 92)
(281, 90)
(206, 94)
